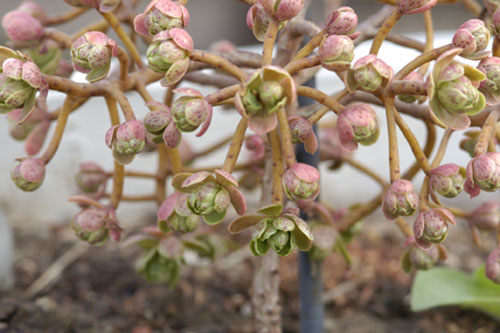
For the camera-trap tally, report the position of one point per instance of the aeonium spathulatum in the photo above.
(453, 93)
(210, 196)
(277, 228)
(269, 89)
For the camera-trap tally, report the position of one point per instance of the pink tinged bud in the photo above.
(342, 21)
(282, 10)
(369, 73)
(90, 178)
(409, 7)
(22, 28)
(483, 173)
(302, 132)
(169, 53)
(301, 181)
(422, 259)
(336, 53)
(491, 5)
(431, 226)
(472, 37)
(130, 137)
(492, 267)
(447, 180)
(357, 124)
(29, 174)
(485, 217)
(490, 86)
(258, 20)
(34, 9)
(191, 110)
(91, 54)
(161, 15)
(90, 225)
(400, 200)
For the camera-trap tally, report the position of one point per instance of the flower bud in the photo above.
(447, 180)
(325, 239)
(491, 5)
(34, 9)
(282, 10)
(22, 28)
(400, 200)
(103, 5)
(485, 217)
(413, 76)
(174, 213)
(130, 137)
(191, 110)
(161, 15)
(483, 173)
(458, 95)
(210, 199)
(490, 86)
(342, 21)
(29, 174)
(368, 73)
(90, 178)
(357, 123)
(409, 7)
(90, 225)
(336, 53)
(258, 20)
(91, 54)
(301, 181)
(419, 258)
(492, 268)
(300, 128)
(431, 226)
(257, 146)
(169, 53)
(18, 85)
(156, 121)
(472, 37)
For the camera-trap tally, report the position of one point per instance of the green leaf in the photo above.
(446, 287)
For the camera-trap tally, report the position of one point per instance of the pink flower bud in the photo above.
(91, 53)
(282, 10)
(302, 132)
(301, 181)
(34, 9)
(90, 225)
(29, 174)
(472, 37)
(174, 213)
(22, 28)
(336, 53)
(191, 110)
(491, 5)
(483, 173)
(485, 217)
(492, 268)
(342, 21)
(431, 226)
(103, 5)
(447, 180)
(423, 259)
(368, 73)
(357, 124)
(409, 7)
(130, 137)
(490, 86)
(90, 178)
(400, 200)
(161, 15)
(258, 20)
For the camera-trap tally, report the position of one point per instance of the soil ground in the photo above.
(100, 292)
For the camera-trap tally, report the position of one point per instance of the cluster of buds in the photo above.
(126, 140)
(96, 224)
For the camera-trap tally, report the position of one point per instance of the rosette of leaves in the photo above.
(46, 56)
(269, 89)
(453, 93)
(369, 73)
(210, 196)
(277, 228)
(175, 214)
(161, 15)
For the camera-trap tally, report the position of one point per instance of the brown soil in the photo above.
(100, 292)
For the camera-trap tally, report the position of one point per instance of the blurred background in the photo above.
(210, 18)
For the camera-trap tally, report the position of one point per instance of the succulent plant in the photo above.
(258, 20)
(420, 259)
(47, 56)
(431, 226)
(174, 213)
(473, 38)
(368, 73)
(483, 173)
(452, 92)
(191, 110)
(302, 132)
(486, 217)
(268, 89)
(161, 15)
(28, 174)
(282, 10)
(357, 124)
(126, 140)
(490, 86)
(447, 180)
(91, 54)
(22, 28)
(342, 21)
(336, 53)
(91, 179)
(492, 267)
(301, 181)
(399, 200)
(169, 53)
(409, 7)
